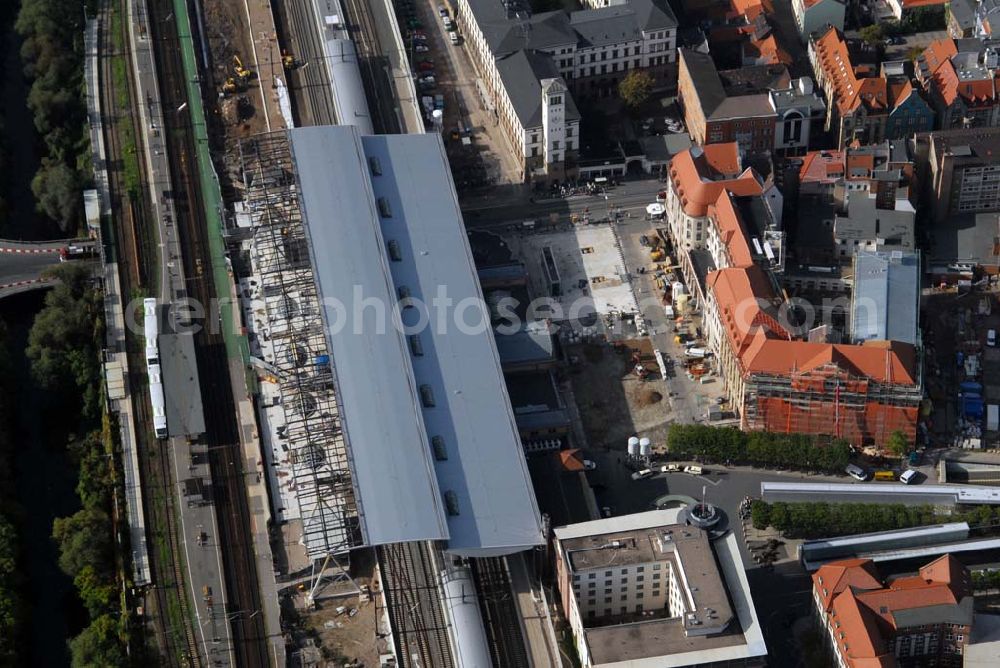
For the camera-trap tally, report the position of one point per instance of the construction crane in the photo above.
(242, 73)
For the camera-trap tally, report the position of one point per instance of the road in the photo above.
(631, 197)
(25, 267)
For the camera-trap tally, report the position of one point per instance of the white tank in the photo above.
(633, 446)
(645, 447)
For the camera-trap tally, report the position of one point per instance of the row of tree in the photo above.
(760, 448)
(826, 520)
(63, 350)
(52, 54)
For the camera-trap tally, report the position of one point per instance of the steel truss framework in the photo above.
(295, 325)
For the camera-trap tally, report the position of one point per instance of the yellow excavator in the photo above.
(242, 73)
(288, 60)
(229, 87)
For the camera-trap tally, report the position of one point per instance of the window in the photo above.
(555, 145)
(451, 503)
(592, 576)
(624, 571)
(375, 166)
(555, 99)
(416, 345)
(384, 209)
(394, 253)
(403, 292)
(614, 53)
(427, 396)
(440, 451)
(638, 608)
(607, 574)
(640, 569)
(607, 599)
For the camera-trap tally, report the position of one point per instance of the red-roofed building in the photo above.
(775, 381)
(923, 620)
(779, 383)
(960, 79)
(862, 104)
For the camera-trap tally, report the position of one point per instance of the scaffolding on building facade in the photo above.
(829, 400)
(303, 367)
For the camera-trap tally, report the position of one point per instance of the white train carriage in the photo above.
(157, 401)
(151, 329)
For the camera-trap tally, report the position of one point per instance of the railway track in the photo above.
(420, 629)
(374, 66)
(500, 616)
(228, 493)
(309, 84)
(132, 224)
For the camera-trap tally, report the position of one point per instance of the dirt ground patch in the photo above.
(228, 35)
(340, 630)
(614, 402)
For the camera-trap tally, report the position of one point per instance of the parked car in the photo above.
(589, 465)
(421, 48)
(427, 79)
(670, 468)
(426, 66)
(443, 11)
(694, 470)
(607, 511)
(856, 472)
(644, 473)
(455, 38)
(909, 476)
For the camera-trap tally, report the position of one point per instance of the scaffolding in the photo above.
(828, 400)
(295, 325)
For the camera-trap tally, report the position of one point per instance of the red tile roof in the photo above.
(826, 166)
(699, 174)
(836, 576)
(744, 297)
(862, 611)
(974, 91)
(850, 88)
(891, 362)
(767, 50)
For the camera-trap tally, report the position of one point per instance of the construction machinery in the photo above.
(288, 61)
(242, 73)
(229, 87)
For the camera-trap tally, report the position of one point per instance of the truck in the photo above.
(695, 351)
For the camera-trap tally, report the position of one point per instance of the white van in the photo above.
(908, 476)
(455, 38)
(991, 338)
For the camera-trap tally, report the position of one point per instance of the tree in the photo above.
(99, 645)
(84, 539)
(97, 593)
(873, 34)
(897, 443)
(57, 193)
(62, 342)
(635, 88)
